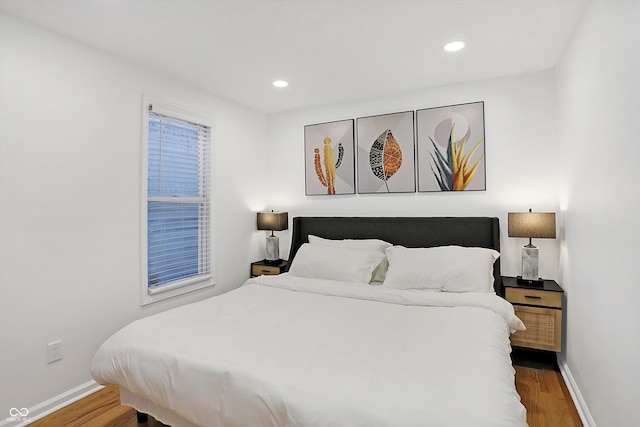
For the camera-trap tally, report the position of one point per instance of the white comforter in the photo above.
(288, 351)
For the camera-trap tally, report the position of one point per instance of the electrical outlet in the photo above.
(54, 352)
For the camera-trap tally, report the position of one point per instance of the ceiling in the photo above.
(330, 51)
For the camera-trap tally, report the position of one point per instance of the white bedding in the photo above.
(288, 351)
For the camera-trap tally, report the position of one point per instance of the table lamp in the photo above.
(274, 221)
(538, 225)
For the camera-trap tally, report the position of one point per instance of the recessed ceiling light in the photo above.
(280, 83)
(454, 46)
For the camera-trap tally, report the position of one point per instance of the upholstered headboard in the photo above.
(411, 232)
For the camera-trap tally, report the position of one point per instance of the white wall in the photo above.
(599, 109)
(521, 160)
(70, 197)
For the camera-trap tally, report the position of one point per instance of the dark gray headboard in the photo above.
(411, 232)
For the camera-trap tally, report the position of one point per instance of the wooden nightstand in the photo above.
(540, 309)
(262, 267)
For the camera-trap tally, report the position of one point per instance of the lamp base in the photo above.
(273, 249)
(530, 282)
(530, 262)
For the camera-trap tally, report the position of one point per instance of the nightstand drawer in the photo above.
(264, 268)
(544, 328)
(534, 297)
(268, 270)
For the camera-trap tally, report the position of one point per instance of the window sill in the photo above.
(149, 297)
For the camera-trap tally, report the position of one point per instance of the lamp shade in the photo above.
(537, 225)
(274, 221)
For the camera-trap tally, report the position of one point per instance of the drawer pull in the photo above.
(265, 271)
(533, 296)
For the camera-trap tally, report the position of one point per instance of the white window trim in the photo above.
(149, 296)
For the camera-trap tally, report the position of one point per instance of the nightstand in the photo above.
(263, 267)
(540, 309)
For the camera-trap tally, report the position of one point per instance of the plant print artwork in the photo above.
(454, 172)
(451, 154)
(329, 158)
(327, 176)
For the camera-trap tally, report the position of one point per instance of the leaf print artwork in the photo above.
(385, 157)
(386, 153)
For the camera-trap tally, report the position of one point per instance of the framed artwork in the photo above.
(451, 148)
(386, 153)
(329, 158)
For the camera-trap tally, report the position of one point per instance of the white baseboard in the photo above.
(574, 391)
(24, 416)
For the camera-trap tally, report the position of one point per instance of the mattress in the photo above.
(291, 351)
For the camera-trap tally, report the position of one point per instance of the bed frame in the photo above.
(411, 232)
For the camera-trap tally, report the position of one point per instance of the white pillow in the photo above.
(335, 263)
(448, 268)
(367, 244)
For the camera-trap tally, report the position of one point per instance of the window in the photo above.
(178, 203)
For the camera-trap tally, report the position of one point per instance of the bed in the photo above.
(377, 322)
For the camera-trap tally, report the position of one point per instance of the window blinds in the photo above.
(178, 202)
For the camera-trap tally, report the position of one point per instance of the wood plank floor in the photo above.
(542, 390)
(546, 397)
(100, 409)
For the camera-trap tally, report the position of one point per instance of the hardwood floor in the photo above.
(542, 390)
(100, 409)
(546, 398)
